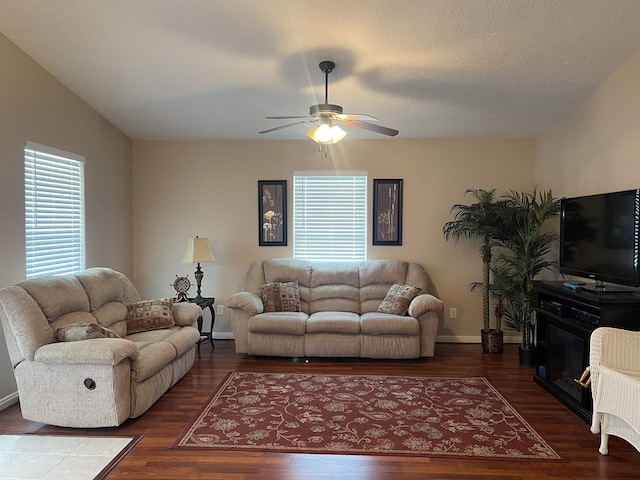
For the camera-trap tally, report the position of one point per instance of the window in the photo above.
(329, 216)
(54, 211)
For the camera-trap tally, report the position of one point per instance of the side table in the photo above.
(205, 302)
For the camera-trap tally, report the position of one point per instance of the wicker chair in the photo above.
(615, 385)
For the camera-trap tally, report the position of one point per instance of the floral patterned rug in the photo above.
(364, 414)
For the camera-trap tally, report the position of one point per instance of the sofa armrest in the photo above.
(615, 348)
(185, 314)
(247, 301)
(96, 351)
(425, 303)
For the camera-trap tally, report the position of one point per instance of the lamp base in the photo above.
(199, 275)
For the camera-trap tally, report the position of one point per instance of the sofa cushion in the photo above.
(152, 359)
(57, 295)
(383, 271)
(113, 315)
(150, 315)
(151, 336)
(398, 299)
(71, 318)
(281, 297)
(288, 323)
(335, 286)
(332, 345)
(182, 338)
(376, 276)
(102, 285)
(375, 323)
(334, 322)
(83, 331)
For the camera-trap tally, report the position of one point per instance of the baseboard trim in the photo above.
(223, 335)
(9, 400)
(473, 339)
(439, 338)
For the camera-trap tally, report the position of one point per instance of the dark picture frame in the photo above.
(387, 211)
(272, 213)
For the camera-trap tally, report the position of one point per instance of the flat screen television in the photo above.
(599, 237)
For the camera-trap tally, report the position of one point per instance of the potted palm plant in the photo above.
(522, 255)
(481, 221)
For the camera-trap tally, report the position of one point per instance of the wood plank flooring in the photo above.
(152, 457)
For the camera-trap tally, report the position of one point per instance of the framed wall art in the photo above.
(387, 212)
(272, 213)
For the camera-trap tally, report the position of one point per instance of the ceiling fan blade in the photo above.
(287, 125)
(356, 116)
(370, 126)
(284, 117)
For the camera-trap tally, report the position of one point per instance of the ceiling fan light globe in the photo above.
(326, 134)
(320, 134)
(323, 134)
(337, 134)
(312, 134)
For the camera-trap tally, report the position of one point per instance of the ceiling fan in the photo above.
(328, 117)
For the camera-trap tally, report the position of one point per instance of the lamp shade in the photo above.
(197, 251)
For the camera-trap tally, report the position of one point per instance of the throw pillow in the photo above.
(398, 299)
(150, 315)
(83, 331)
(281, 297)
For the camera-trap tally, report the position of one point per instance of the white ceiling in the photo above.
(213, 69)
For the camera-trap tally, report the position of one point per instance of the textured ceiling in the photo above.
(213, 69)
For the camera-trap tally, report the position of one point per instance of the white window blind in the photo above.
(329, 217)
(54, 211)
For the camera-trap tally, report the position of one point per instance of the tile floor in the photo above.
(57, 457)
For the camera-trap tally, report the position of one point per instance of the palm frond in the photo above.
(522, 255)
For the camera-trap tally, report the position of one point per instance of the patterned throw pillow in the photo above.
(83, 331)
(281, 297)
(398, 299)
(150, 315)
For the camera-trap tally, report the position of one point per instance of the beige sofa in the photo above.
(104, 379)
(338, 314)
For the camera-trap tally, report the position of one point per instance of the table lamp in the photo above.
(198, 251)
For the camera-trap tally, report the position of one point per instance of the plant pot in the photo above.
(492, 341)
(528, 357)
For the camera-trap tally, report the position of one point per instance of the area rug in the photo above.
(364, 414)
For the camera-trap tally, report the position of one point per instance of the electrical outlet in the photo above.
(453, 312)
(220, 310)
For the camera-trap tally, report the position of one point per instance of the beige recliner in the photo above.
(99, 381)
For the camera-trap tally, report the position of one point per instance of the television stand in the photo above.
(565, 319)
(601, 288)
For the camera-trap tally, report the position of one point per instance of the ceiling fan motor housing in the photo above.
(325, 109)
(327, 66)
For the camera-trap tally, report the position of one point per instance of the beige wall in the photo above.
(595, 146)
(35, 106)
(183, 189)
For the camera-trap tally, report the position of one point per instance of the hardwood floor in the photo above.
(161, 425)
